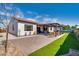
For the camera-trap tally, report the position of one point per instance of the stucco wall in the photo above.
(54, 29)
(21, 31)
(49, 29)
(13, 22)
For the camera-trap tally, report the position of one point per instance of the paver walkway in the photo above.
(30, 44)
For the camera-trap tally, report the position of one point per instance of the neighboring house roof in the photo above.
(25, 20)
(2, 30)
(54, 25)
(51, 25)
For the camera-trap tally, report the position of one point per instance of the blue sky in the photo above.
(53, 12)
(65, 13)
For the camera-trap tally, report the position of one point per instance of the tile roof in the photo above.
(51, 24)
(34, 22)
(25, 20)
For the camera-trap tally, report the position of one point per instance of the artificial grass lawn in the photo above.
(50, 49)
(70, 42)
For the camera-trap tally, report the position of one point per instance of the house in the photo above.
(25, 27)
(49, 28)
(22, 27)
(2, 30)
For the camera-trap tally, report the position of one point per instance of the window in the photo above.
(50, 28)
(28, 27)
(13, 27)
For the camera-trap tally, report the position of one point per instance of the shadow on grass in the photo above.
(70, 42)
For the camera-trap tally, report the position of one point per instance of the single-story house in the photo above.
(49, 28)
(24, 27)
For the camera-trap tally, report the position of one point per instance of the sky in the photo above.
(64, 13)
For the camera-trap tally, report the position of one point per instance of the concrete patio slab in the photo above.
(30, 44)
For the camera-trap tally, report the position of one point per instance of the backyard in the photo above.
(60, 46)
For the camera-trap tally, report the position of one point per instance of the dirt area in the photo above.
(11, 50)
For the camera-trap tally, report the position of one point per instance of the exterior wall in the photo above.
(21, 31)
(61, 28)
(54, 29)
(13, 23)
(19, 28)
(49, 29)
(58, 28)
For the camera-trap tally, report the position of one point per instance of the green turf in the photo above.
(70, 42)
(60, 46)
(50, 49)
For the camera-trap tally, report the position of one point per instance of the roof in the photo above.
(34, 22)
(2, 30)
(54, 24)
(21, 20)
(51, 24)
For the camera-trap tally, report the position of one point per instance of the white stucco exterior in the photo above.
(15, 24)
(22, 32)
(54, 29)
(50, 30)
(19, 28)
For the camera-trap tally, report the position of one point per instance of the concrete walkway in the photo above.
(30, 44)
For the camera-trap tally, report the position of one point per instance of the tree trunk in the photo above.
(6, 41)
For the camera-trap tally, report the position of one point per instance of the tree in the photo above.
(74, 27)
(6, 14)
(67, 27)
(5, 18)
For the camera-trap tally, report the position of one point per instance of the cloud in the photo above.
(5, 14)
(50, 20)
(55, 20)
(38, 16)
(29, 12)
(8, 8)
(46, 20)
(32, 19)
(7, 11)
(19, 13)
(1, 12)
(46, 15)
